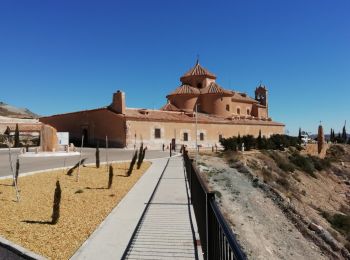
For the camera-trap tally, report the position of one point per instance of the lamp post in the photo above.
(196, 134)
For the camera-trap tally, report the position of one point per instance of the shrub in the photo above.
(339, 222)
(281, 162)
(230, 143)
(274, 142)
(283, 182)
(320, 164)
(335, 152)
(249, 142)
(267, 175)
(304, 163)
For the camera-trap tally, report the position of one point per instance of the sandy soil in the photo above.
(84, 205)
(261, 227)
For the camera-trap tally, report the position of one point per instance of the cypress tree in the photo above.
(344, 134)
(110, 177)
(97, 154)
(299, 136)
(259, 141)
(320, 139)
(331, 136)
(56, 204)
(16, 136)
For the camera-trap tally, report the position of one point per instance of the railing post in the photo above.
(210, 196)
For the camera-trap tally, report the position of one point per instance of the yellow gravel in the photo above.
(84, 205)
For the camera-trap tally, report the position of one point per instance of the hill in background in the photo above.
(15, 112)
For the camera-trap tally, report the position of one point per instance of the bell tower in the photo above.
(261, 95)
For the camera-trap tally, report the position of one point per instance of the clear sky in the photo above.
(63, 56)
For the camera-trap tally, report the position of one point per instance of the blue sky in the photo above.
(62, 56)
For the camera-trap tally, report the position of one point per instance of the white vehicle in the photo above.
(305, 139)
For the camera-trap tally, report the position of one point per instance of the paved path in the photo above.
(166, 231)
(43, 163)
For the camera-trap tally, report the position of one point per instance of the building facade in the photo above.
(220, 113)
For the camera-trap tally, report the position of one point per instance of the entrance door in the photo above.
(86, 137)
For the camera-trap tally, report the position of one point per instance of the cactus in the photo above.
(110, 177)
(56, 204)
(132, 163)
(97, 154)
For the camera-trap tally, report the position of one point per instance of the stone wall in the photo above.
(97, 123)
(144, 131)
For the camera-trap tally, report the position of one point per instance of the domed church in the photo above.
(199, 109)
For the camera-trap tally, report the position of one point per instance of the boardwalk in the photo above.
(166, 230)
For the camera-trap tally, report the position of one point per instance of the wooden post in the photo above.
(81, 148)
(107, 162)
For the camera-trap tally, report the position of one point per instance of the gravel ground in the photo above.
(84, 205)
(261, 227)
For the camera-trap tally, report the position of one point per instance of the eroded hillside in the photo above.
(285, 204)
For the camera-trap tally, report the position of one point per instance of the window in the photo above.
(227, 107)
(201, 136)
(185, 137)
(157, 133)
(199, 85)
(248, 111)
(238, 111)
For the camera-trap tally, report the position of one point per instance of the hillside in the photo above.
(15, 112)
(285, 204)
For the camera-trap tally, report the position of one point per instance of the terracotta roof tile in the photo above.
(215, 88)
(243, 97)
(185, 89)
(170, 107)
(198, 70)
(172, 116)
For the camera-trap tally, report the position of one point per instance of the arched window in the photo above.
(201, 136)
(227, 107)
(238, 111)
(248, 111)
(185, 137)
(199, 85)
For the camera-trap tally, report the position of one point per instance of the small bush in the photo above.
(281, 162)
(320, 164)
(335, 153)
(267, 175)
(339, 222)
(304, 163)
(283, 182)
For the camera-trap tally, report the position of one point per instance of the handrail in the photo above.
(217, 238)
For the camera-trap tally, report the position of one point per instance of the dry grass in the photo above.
(84, 205)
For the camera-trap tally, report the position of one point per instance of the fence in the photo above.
(217, 239)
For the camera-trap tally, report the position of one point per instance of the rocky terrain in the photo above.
(284, 204)
(14, 112)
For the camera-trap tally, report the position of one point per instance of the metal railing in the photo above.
(217, 239)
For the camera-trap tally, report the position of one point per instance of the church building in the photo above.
(198, 103)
